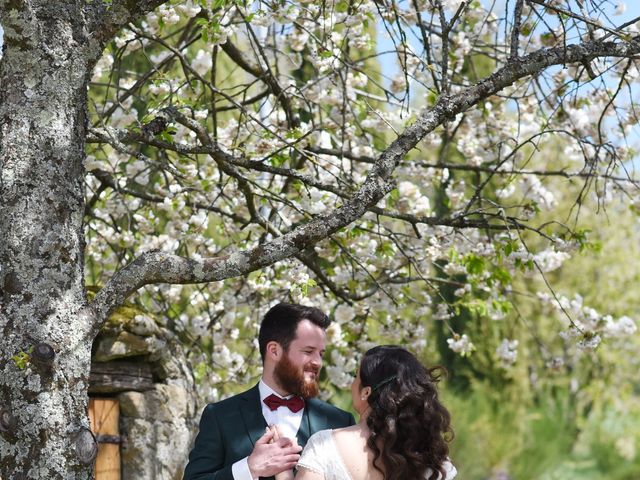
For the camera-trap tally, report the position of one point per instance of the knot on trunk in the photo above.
(43, 355)
(8, 423)
(86, 446)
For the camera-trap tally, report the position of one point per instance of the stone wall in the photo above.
(157, 399)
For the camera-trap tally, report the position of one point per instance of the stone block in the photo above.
(125, 344)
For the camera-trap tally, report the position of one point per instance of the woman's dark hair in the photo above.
(280, 324)
(410, 428)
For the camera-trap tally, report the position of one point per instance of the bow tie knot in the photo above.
(295, 404)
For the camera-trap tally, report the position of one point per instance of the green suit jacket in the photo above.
(230, 428)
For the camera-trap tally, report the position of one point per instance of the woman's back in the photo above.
(343, 454)
(401, 418)
(351, 443)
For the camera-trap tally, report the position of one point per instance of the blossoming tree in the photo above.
(377, 157)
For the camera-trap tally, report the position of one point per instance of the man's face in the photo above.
(298, 370)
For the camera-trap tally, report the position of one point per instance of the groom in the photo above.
(232, 444)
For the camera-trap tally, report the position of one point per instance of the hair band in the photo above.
(383, 383)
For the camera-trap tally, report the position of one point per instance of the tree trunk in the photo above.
(45, 344)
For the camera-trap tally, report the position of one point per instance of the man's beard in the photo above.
(291, 378)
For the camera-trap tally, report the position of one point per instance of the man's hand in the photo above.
(272, 455)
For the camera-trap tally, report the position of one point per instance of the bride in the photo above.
(403, 429)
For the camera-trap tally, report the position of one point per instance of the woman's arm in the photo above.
(287, 474)
(306, 474)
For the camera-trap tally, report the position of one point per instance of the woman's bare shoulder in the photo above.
(353, 437)
(347, 431)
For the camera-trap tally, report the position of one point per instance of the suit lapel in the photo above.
(312, 421)
(251, 410)
(304, 432)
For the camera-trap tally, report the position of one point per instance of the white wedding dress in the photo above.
(321, 455)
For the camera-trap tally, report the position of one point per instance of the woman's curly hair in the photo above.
(410, 428)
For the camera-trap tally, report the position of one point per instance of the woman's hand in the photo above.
(287, 474)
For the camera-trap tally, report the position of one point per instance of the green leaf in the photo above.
(355, 232)
(304, 287)
(21, 359)
(278, 159)
(167, 135)
(342, 7)
(501, 275)
(385, 249)
(474, 264)
(509, 248)
(392, 197)
(478, 307)
(294, 134)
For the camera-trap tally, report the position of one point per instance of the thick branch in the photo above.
(157, 267)
(119, 13)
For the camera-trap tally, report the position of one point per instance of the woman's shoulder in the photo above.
(319, 438)
(449, 470)
(346, 433)
(332, 433)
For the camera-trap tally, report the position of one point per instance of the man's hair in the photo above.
(281, 322)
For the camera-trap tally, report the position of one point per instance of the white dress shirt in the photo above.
(288, 423)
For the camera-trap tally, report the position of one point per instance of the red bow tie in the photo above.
(295, 404)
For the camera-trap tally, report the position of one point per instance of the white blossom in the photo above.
(507, 351)
(343, 313)
(550, 260)
(461, 344)
(189, 9)
(105, 63)
(202, 62)
(168, 14)
(590, 342)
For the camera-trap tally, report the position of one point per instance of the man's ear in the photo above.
(274, 351)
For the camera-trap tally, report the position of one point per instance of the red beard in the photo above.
(291, 378)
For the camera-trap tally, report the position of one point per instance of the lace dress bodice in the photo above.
(321, 455)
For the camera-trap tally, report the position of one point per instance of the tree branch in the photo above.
(267, 76)
(119, 13)
(157, 267)
(515, 32)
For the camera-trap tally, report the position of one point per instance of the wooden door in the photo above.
(104, 414)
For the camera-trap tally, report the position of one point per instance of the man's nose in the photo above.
(317, 360)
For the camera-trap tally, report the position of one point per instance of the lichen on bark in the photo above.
(49, 52)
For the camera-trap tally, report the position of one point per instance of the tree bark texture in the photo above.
(50, 49)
